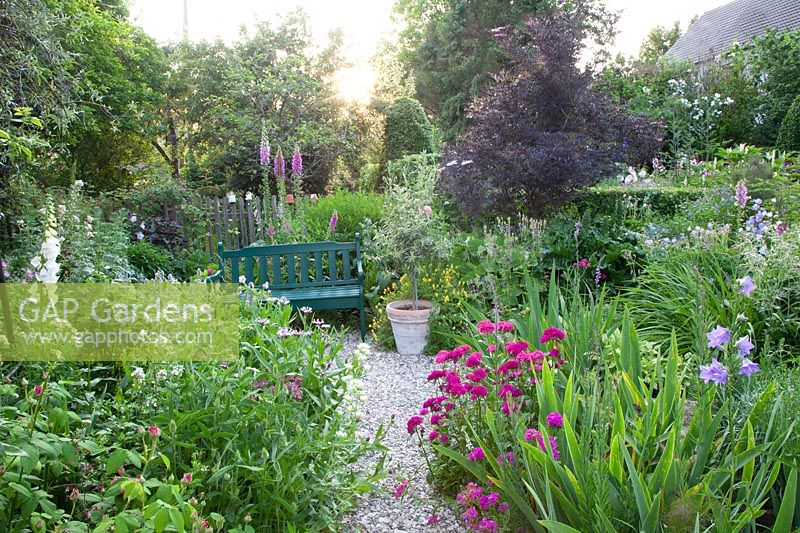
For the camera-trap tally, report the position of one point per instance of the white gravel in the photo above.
(394, 389)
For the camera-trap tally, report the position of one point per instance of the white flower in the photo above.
(161, 375)
(134, 219)
(242, 279)
(78, 184)
(265, 285)
(453, 162)
(89, 219)
(248, 196)
(231, 198)
(467, 162)
(305, 309)
(138, 373)
(177, 370)
(283, 300)
(139, 235)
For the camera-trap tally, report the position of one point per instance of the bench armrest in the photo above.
(215, 277)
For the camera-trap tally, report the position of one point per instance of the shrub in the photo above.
(407, 131)
(542, 133)
(356, 212)
(148, 259)
(789, 133)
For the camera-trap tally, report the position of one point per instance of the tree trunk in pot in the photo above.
(409, 325)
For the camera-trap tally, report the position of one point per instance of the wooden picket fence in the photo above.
(237, 224)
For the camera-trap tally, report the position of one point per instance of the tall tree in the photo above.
(658, 41)
(448, 47)
(543, 132)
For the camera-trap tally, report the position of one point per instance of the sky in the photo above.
(365, 22)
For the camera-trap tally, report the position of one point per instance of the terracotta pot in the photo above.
(409, 325)
(290, 199)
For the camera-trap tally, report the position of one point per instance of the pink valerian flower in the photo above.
(154, 431)
(433, 519)
(270, 231)
(507, 390)
(470, 514)
(509, 408)
(550, 334)
(485, 327)
(502, 507)
(505, 368)
(436, 374)
(433, 403)
(487, 524)
(413, 422)
(478, 391)
(469, 494)
(505, 326)
(488, 500)
(530, 357)
(449, 406)
(555, 420)
(508, 458)
(458, 352)
(442, 357)
(424, 412)
(400, 490)
(443, 438)
(780, 228)
(491, 348)
(435, 419)
(533, 434)
(583, 263)
(297, 162)
(473, 360)
(477, 454)
(515, 347)
(477, 375)
(433, 435)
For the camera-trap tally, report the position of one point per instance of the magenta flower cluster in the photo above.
(500, 374)
(482, 509)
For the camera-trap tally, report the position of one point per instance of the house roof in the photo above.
(738, 21)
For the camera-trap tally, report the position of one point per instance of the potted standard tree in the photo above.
(412, 233)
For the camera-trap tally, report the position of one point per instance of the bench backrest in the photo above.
(292, 266)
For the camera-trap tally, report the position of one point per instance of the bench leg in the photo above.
(363, 321)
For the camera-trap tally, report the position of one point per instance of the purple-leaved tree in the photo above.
(542, 132)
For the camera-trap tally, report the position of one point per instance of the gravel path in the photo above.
(395, 386)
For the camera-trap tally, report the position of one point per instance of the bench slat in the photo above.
(262, 270)
(303, 269)
(332, 265)
(248, 268)
(318, 266)
(276, 270)
(347, 272)
(290, 274)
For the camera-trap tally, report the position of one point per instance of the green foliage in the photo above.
(450, 50)
(266, 441)
(658, 41)
(149, 259)
(407, 131)
(661, 202)
(357, 213)
(413, 230)
(789, 133)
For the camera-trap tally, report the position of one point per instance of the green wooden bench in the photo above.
(319, 275)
